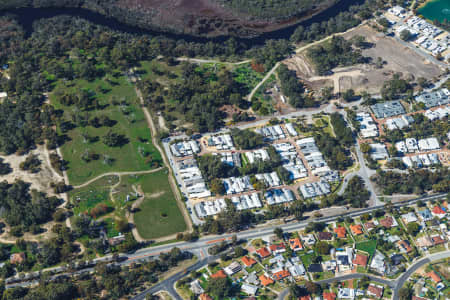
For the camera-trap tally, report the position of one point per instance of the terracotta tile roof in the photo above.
(220, 274)
(263, 252)
(329, 296)
(325, 236)
(275, 247)
(340, 231)
(305, 298)
(375, 290)
(265, 281)
(295, 244)
(205, 297)
(360, 260)
(404, 244)
(281, 274)
(437, 210)
(434, 276)
(437, 240)
(248, 261)
(356, 229)
(387, 222)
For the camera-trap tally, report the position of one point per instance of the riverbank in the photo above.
(435, 10)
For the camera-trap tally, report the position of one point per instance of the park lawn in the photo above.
(86, 198)
(368, 246)
(130, 122)
(158, 214)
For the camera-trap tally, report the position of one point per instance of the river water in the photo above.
(27, 16)
(436, 10)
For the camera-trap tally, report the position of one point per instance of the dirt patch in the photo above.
(367, 77)
(40, 180)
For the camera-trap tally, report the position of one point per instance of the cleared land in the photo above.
(129, 122)
(367, 77)
(40, 180)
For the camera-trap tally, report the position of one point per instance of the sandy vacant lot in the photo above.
(39, 181)
(398, 59)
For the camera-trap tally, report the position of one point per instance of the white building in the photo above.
(269, 179)
(237, 185)
(429, 144)
(315, 189)
(260, 154)
(368, 128)
(291, 130)
(221, 142)
(185, 148)
(279, 196)
(247, 201)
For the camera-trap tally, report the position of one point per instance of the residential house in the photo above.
(434, 276)
(252, 278)
(375, 291)
(356, 229)
(263, 252)
(280, 275)
(329, 296)
(325, 236)
(437, 240)
(341, 232)
(249, 289)
(388, 222)
(196, 288)
(344, 259)
(265, 280)
(438, 212)
(397, 259)
(371, 225)
(330, 265)
(277, 248)
(219, 274)
(425, 214)
(346, 293)
(409, 217)
(424, 242)
(315, 268)
(404, 246)
(233, 268)
(378, 263)
(295, 244)
(248, 261)
(308, 239)
(205, 297)
(360, 260)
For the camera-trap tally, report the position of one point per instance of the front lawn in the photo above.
(368, 246)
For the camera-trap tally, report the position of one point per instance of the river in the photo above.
(436, 10)
(27, 16)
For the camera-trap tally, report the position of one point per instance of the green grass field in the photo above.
(130, 122)
(367, 246)
(158, 214)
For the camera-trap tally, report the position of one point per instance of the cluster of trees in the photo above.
(334, 152)
(24, 123)
(32, 164)
(394, 88)
(293, 89)
(24, 207)
(336, 52)
(5, 168)
(212, 167)
(116, 280)
(247, 139)
(413, 182)
(197, 96)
